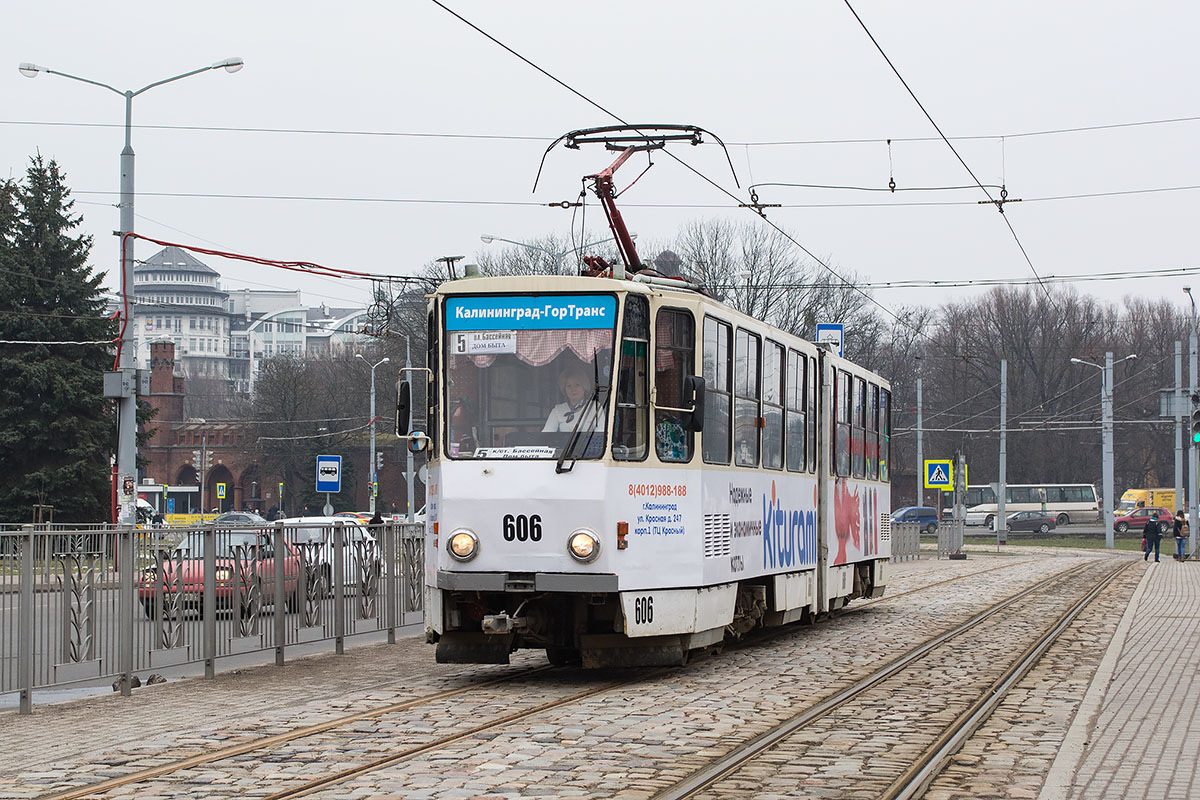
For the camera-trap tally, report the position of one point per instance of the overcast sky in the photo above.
(463, 125)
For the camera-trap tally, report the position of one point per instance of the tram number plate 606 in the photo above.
(643, 610)
(521, 528)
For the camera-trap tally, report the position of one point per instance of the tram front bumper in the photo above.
(583, 583)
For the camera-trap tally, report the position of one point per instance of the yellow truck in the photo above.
(1147, 498)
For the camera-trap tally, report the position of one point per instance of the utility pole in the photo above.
(920, 446)
(1002, 483)
(1178, 409)
(374, 488)
(1106, 409)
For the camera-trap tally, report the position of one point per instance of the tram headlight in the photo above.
(462, 544)
(583, 546)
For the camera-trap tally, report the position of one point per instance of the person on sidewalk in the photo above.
(1181, 536)
(1153, 534)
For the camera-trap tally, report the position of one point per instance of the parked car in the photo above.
(355, 516)
(252, 552)
(925, 515)
(1138, 517)
(232, 518)
(320, 531)
(1030, 521)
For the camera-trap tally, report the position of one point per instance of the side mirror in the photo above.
(693, 395)
(418, 442)
(403, 407)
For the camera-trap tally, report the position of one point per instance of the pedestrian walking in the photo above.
(1181, 535)
(1153, 537)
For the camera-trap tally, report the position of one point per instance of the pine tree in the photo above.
(56, 428)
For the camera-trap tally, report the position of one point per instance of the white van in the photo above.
(360, 550)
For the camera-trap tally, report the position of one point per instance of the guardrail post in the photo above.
(25, 616)
(339, 589)
(209, 623)
(125, 601)
(279, 547)
(390, 532)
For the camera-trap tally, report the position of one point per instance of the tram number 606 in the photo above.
(522, 528)
(643, 610)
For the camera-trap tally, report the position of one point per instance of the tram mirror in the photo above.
(693, 395)
(403, 407)
(418, 441)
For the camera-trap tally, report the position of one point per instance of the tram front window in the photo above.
(536, 388)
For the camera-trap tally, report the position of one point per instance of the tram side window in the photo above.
(718, 391)
(885, 433)
(857, 428)
(432, 391)
(746, 413)
(797, 436)
(811, 403)
(631, 424)
(872, 437)
(842, 402)
(674, 361)
(772, 410)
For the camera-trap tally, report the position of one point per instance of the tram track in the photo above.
(924, 768)
(269, 743)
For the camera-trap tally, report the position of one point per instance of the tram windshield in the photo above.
(528, 376)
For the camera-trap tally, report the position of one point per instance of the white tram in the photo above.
(713, 475)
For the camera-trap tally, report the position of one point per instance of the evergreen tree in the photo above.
(56, 428)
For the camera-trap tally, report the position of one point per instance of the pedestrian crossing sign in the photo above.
(939, 474)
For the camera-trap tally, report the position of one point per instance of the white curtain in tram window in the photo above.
(541, 347)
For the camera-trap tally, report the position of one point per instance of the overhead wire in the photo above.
(936, 127)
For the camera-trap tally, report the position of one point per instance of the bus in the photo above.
(1066, 502)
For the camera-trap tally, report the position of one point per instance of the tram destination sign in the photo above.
(526, 312)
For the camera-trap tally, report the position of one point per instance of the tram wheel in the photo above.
(561, 656)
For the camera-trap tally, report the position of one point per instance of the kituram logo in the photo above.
(789, 536)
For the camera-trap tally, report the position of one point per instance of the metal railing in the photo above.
(950, 538)
(82, 604)
(906, 541)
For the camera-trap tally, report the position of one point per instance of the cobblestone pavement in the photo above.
(629, 742)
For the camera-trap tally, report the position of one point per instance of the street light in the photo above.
(374, 473)
(127, 403)
(1106, 447)
(1193, 493)
(488, 238)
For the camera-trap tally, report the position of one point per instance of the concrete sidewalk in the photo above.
(1137, 732)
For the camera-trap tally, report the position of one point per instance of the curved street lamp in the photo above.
(127, 405)
(374, 473)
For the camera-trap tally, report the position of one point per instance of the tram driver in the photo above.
(576, 386)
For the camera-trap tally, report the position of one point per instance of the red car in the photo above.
(1138, 517)
(250, 551)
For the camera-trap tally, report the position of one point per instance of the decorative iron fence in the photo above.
(84, 604)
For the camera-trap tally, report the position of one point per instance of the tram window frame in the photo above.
(871, 440)
(885, 433)
(717, 358)
(795, 416)
(432, 390)
(747, 398)
(811, 397)
(773, 398)
(631, 432)
(840, 446)
(673, 440)
(858, 450)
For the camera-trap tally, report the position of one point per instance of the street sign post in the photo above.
(329, 478)
(833, 332)
(939, 474)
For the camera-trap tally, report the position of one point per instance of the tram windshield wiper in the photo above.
(598, 411)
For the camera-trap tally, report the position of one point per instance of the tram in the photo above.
(623, 470)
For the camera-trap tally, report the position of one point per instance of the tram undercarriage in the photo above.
(594, 628)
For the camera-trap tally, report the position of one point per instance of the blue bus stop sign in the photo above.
(329, 473)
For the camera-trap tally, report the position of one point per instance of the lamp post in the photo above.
(127, 402)
(1193, 487)
(488, 238)
(374, 472)
(1106, 411)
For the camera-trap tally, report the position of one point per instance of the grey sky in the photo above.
(749, 72)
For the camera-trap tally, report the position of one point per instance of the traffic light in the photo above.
(1196, 425)
(379, 461)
